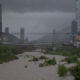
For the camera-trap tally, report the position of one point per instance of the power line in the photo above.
(42, 33)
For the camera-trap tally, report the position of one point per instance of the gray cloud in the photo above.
(37, 15)
(37, 21)
(38, 5)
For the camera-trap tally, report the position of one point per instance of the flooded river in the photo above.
(15, 70)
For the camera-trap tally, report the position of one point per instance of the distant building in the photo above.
(9, 39)
(77, 10)
(74, 28)
(77, 41)
(22, 35)
(0, 18)
(76, 38)
(0, 23)
(7, 30)
(6, 37)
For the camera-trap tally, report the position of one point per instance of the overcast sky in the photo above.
(37, 15)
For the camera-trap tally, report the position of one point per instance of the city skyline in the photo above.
(37, 19)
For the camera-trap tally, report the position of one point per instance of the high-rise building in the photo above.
(22, 34)
(0, 24)
(6, 30)
(0, 19)
(74, 28)
(77, 10)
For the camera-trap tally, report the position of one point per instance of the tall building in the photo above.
(22, 34)
(77, 10)
(0, 24)
(0, 19)
(74, 28)
(7, 30)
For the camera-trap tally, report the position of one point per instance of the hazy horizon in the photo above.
(38, 15)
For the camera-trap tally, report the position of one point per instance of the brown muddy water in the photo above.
(15, 70)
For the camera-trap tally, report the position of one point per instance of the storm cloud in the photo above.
(37, 15)
(38, 5)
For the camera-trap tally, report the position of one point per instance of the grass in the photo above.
(43, 57)
(6, 57)
(72, 54)
(8, 53)
(48, 62)
(75, 71)
(38, 58)
(71, 59)
(43, 64)
(64, 51)
(35, 59)
(62, 70)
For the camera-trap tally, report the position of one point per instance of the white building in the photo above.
(77, 41)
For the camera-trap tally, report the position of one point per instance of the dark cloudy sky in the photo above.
(37, 15)
(38, 5)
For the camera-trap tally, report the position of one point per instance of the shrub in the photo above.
(48, 62)
(6, 57)
(51, 61)
(7, 53)
(71, 59)
(43, 57)
(35, 59)
(65, 51)
(75, 71)
(62, 70)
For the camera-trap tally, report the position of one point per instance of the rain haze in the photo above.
(37, 15)
(39, 39)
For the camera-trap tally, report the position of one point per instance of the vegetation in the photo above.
(62, 70)
(8, 53)
(71, 59)
(51, 61)
(43, 57)
(48, 62)
(38, 58)
(65, 51)
(34, 59)
(75, 71)
(6, 57)
(72, 54)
